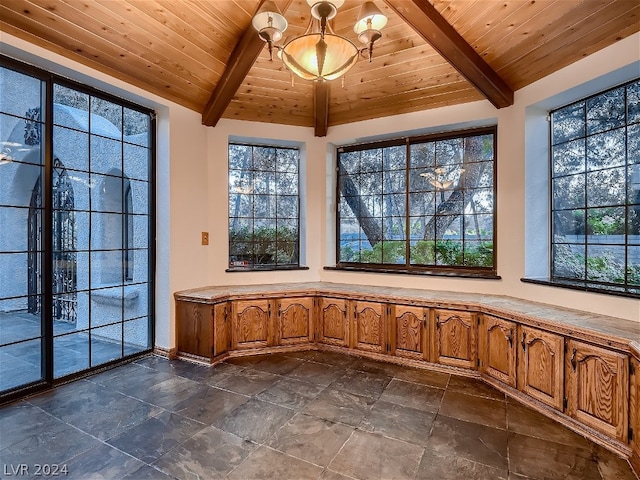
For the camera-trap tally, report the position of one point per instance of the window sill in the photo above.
(432, 273)
(585, 287)
(265, 269)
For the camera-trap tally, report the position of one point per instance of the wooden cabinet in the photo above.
(333, 321)
(369, 327)
(194, 328)
(295, 321)
(541, 365)
(497, 349)
(251, 324)
(455, 339)
(408, 329)
(202, 330)
(597, 388)
(634, 412)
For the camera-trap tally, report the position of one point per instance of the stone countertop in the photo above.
(563, 320)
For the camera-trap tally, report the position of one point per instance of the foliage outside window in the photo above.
(423, 204)
(263, 207)
(595, 171)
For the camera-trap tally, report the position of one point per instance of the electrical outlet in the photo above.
(205, 238)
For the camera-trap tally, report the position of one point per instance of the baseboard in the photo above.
(170, 353)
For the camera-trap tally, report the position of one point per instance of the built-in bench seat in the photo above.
(577, 367)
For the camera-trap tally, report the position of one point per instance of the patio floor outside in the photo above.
(21, 349)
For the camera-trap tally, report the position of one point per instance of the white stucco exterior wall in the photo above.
(192, 186)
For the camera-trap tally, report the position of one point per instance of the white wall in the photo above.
(312, 162)
(192, 187)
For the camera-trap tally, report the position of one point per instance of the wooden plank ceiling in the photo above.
(204, 54)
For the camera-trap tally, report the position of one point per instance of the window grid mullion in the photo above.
(436, 215)
(591, 207)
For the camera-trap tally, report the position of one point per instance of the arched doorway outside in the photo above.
(64, 281)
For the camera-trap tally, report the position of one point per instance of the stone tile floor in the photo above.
(316, 415)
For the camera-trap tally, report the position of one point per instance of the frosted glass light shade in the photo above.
(336, 3)
(269, 16)
(369, 13)
(324, 8)
(312, 58)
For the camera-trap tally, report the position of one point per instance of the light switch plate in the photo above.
(205, 238)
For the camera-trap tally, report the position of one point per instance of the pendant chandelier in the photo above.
(319, 54)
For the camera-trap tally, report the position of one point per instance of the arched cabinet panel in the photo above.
(598, 388)
(369, 327)
(409, 332)
(497, 349)
(334, 321)
(455, 340)
(541, 365)
(251, 323)
(295, 321)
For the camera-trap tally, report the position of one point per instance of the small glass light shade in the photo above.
(324, 9)
(269, 16)
(369, 18)
(312, 58)
(336, 3)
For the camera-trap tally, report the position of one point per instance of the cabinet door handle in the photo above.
(573, 359)
(524, 341)
(510, 338)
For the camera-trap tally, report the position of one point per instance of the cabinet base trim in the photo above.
(604, 441)
(169, 353)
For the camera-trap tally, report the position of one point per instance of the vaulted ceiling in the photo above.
(204, 54)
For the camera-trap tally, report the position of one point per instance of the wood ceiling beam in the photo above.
(242, 58)
(432, 26)
(321, 92)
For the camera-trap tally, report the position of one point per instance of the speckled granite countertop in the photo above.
(614, 331)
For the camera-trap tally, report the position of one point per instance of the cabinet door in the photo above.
(369, 327)
(598, 388)
(541, 365)
(221, 329)
(455, 341)
(408, 329)
(194, 328)
(295, 321)
(251, 320)
(497, 349)
(334, 322)
(634, 413)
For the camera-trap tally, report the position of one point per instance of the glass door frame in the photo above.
(47, 379)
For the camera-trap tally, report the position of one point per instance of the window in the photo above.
(422, 204)
(595, 184)
(263, 207)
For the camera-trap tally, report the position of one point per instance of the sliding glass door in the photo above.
(76, 231)
(22, 346)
